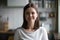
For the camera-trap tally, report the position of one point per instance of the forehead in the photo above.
(30, 9)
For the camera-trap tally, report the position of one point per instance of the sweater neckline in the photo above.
(29, 32)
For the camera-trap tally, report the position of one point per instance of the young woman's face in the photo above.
(31, 14)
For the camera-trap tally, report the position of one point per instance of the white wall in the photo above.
(59, 16)
(15, 16)
(17, 2)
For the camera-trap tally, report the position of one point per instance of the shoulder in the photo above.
(18, 29)
(43, 29)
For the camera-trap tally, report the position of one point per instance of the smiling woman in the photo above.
(30, 29)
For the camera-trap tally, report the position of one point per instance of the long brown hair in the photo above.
(36, 24)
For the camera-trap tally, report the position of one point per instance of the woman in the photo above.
(30, 29)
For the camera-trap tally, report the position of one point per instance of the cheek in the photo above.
(35, 16)
(26, 17)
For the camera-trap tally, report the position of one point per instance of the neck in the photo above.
(29, 30)
(30, 25)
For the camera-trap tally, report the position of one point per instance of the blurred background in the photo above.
(11, 17)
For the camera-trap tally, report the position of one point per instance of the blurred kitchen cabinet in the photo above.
(3, 3)
(44, 3)
(49, 13)
(13, 3)
(16, 3)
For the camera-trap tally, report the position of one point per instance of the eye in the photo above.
(32, 12)
(27, 13)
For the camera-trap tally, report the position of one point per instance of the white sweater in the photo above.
(39, 34)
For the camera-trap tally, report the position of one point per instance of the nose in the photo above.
(30, 15)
